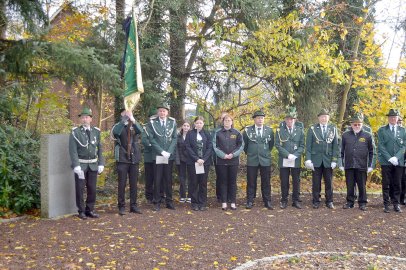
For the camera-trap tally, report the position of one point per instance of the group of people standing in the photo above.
(194, 149)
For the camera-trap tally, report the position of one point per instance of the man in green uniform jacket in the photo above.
(391, 151)
(290, 142)
(322, 154)
(85, 150)
(258, 144)
(163, 138)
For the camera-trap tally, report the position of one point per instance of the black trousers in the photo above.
(391, 179)
(149, 180)
(327, 175)
(198, 185)
(163, 178)
(403, 186)
(284, 176)
(218, 183)
(124, 171)
(184, 179)
(89, 182)
(252, 173)
(356, 178)
(228, 180)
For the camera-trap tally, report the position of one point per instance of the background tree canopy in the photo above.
(236, 56)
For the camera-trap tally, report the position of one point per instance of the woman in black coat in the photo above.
(181, 158)
(199, 147)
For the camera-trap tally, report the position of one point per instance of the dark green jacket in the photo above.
(287, 143)
(163, 138)
(149, 155)
(322, 150)
(84, 152)
(258, 149)
(389, 146)
(119, 133)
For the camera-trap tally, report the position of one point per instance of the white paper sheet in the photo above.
(161, 160)
(199, 168)
(288, 163)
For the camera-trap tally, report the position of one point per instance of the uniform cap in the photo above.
(258, 113)
(393, 112)
(86, 111)
(291, 113)
(323, 112)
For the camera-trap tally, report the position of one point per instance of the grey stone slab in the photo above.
(57, 180)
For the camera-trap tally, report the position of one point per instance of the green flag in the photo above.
(132, 69)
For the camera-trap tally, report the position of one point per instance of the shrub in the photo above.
(19, 169)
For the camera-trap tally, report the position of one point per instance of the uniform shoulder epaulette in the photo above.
(74, 128)
(153, 117)
(97, 128)
(172, 118)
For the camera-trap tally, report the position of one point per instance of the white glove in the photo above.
(100, 169)
(370, 170)
(166, 154)
(77, 170)
(292, 157)
(342, 168)
(333, 165)
(394, 161)
(132, 119)
(309, 165)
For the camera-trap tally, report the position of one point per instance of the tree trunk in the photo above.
(347, 87)
(3, 20)
(177, 55)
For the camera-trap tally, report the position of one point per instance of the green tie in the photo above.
(393, 131)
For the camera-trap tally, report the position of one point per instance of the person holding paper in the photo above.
(228, 145)
(199, 148)
(181, 163)
(162, 130)
(86, 154)
(126, 134)
(357, 154)
(391, 151)
(290, 142)
(321, 157)
(258, 143)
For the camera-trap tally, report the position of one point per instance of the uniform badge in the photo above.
(361, 140)
(233, 136)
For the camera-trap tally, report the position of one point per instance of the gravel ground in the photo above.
(186, 239)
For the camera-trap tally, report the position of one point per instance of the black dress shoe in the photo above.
(156, 207)
(268, 205)
(249, 205)
(363, 207)
(348, 206)
(330, 205)
(135, 210)
(224, 208)
(195, 207)
(297, 205)
(233, 208)
(82, 216)
(202, 208)
(386, 209)
(92, 214)
(396, 207)
(170, 206)
(121, 211)
(283, 205)
(316, 205)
